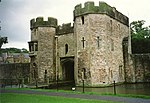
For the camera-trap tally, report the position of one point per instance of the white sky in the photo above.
(15, 15)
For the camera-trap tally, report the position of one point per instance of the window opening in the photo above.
(45, 72)
(111, 26)
(112, 45)
(98, 42)
(66, 48)
(82, 19)
(83, 42)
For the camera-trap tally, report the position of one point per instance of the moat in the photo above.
(138, 89)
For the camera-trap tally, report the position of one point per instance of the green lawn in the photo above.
(88, 93)
(26, 98)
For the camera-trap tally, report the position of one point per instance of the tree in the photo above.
(140, 37)
(138, 31)
(3, 40)
(24, 50)
(14, 50)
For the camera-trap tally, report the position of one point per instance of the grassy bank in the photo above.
(129, 95)
(26, 98)
(88, 93)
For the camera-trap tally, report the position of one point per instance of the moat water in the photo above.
(138, 89)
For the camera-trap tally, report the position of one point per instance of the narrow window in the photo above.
(83, 42)
(112, 45)
(45, 76)
(66, 48)
(120, 69)
(98, 42)
(119, 27)
(45, 72)
(111, 26)
(82, 20)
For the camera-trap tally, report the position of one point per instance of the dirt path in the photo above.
(81, 96)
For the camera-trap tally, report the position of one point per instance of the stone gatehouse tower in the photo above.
(91, 49)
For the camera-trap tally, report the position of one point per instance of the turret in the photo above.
(42, 47)
(52, 22)
(99, 32)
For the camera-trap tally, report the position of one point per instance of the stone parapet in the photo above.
(64, 29)
(103, 8)
(39, 22)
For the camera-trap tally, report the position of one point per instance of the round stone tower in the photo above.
(42, 49)
(99, 34)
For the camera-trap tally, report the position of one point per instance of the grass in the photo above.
(88, 93)
(26, 98)
(128, 95)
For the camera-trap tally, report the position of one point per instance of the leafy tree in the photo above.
(3, 40)
(140, 37)
(24, 50)
(14, 50)
(138, 31)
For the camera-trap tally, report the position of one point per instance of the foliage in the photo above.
(14, 50)
(140, 45)
(28, 98)
(3, 40)
(140, 37)
(23, 50)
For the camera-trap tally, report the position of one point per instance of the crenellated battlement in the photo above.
(64, 29)
(103, 8)
(39, 22)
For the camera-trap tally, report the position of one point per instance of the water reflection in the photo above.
(139, 89)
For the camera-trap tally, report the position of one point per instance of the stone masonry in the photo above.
(91, 49)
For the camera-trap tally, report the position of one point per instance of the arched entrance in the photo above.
(67, 69)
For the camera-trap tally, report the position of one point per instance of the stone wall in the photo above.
(64, 29)
(104, 61)
(14, 71)
(99, 31)
(141, 64)
(67, 39)
(137, 66)
(66, 49)
(46, 54)
(82, 55)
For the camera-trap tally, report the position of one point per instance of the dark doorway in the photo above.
(68, 69)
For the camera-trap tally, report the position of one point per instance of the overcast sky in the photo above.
(15, 15)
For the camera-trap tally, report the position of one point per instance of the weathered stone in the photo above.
(101, 60)
(95, 49)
